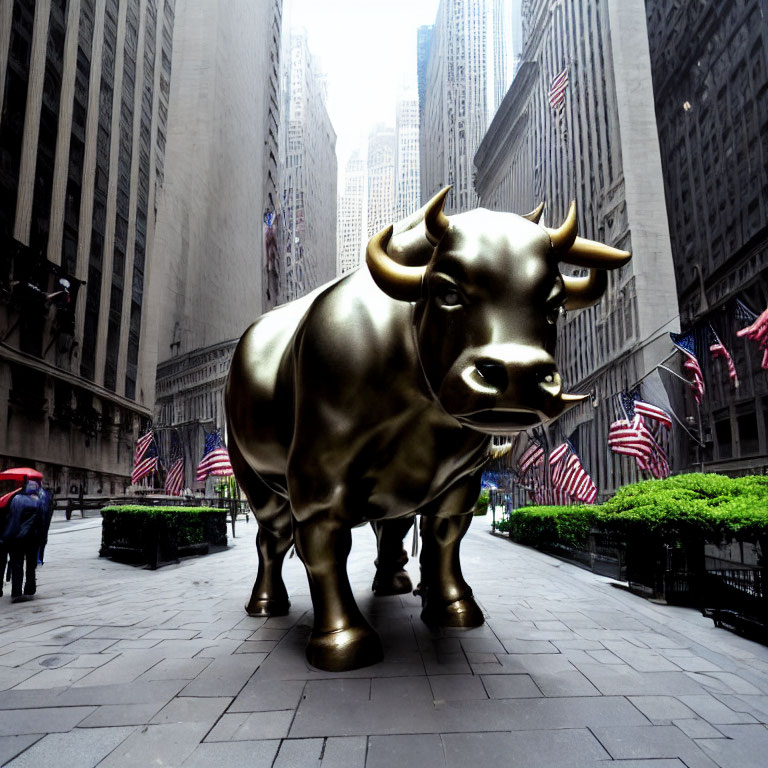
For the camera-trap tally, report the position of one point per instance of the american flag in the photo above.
(557, 90)
(145, 461)
(744, 314)
(756, 331)
(717, 349)
(686, 344)
(633, 438)
(215, 459)
(576, 482)
(141, 446)
(174, 480)
(531, 457)
(651, 411)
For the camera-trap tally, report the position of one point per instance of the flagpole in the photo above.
(699, 443)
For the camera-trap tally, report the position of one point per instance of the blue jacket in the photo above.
(25, 516)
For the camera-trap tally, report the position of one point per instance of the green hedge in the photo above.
(161, 534)
(676, 511)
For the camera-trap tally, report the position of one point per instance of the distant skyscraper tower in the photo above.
(351, 210)
(500, 50)
(407, 161)
(381, 179)
(457, 109)
(423, 47)
(310, 171)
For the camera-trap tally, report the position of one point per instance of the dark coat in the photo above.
(25, 516)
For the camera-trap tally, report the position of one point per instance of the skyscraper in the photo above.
(460, 76)
(598, 147)
(710, 81)
(351, 214)
(220, 173)
(381, 179)
(219, 213)
(310, 172)
(407, 188)
(83, 120)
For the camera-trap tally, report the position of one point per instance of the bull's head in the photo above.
(487, 303)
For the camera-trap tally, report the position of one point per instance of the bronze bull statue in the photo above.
(376, 397)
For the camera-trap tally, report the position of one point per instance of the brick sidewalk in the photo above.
(118, 666)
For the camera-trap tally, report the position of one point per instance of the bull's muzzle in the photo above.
(513, 391)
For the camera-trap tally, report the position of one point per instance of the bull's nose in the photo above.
(494, 373)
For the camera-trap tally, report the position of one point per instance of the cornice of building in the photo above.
(30, 361)
(192, 359)
(506, 128)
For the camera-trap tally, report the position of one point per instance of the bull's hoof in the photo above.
(262, 607)
(460, 613)
(397, 583)
(344, 649)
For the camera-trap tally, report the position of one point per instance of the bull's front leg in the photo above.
(341, 638)
(448, 600)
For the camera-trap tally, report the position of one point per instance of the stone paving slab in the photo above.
(113, 665)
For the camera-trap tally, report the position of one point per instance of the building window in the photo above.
(723, 434)
(749, 442)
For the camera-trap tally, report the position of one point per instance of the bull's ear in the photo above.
(396, 280)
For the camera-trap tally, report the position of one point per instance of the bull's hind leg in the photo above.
(341, 638)
(448, 600)
(391, 577)
(269, 596)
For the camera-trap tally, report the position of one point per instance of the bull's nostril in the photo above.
(494, 373)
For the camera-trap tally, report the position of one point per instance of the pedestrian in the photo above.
(21, 536)
(46, 499)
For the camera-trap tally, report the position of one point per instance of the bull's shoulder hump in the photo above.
(357, 312)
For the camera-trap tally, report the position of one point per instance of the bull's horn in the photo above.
(435, 221)
(535, 214)
(563, 237)
(396, 280)
(568, 399)
(588, 253)
(584, 291)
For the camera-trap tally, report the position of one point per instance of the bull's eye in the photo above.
(450, 298)
(447, 294)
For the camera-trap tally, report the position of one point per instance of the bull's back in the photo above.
(259, 392)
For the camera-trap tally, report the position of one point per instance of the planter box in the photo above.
(160, 536)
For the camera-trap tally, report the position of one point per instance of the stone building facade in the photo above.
(601, 150)
(84, 100)
(189, 402)
(710, 77)
(309, 168)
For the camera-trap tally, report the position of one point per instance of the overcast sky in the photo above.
(367, 49)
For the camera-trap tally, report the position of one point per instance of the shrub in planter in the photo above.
(160, 535)
(481, 505)
(664, 524)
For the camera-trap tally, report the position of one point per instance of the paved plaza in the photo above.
(113, 665)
